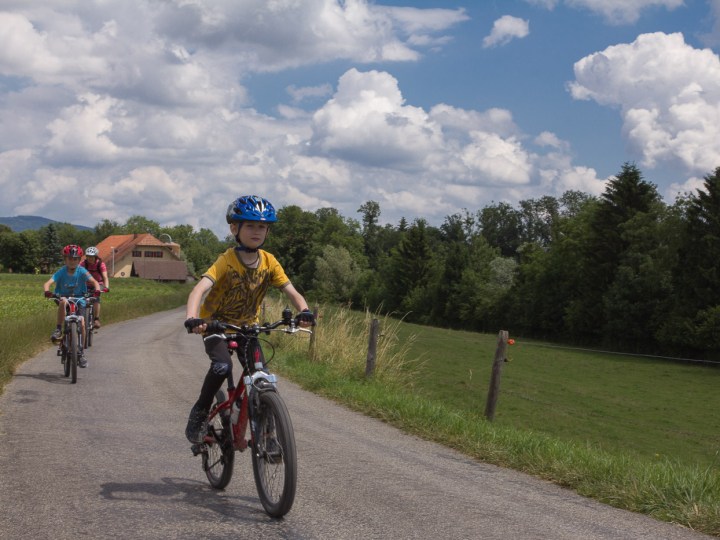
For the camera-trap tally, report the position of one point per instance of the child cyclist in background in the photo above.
(70, 280)
(95, 265)
(236, 285)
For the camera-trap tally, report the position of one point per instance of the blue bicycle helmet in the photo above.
(251, 208)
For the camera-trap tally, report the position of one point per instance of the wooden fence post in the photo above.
(500, 355)
(372, 347)
(313, 351)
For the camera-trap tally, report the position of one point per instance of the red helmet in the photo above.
(72, 251)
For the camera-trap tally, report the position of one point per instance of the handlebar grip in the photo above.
(215, 327)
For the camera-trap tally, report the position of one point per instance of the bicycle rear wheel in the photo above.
(74, 351)
(89, 322)
(65, 351)
(219, 459)
(274, 457)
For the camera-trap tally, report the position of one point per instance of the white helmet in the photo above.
(91, 252)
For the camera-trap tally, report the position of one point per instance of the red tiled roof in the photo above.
(122, 243)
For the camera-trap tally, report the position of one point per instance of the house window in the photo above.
(155, 254)
(137, 253)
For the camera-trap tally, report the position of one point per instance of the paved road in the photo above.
(107, 458)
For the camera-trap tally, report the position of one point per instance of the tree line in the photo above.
(623, 270)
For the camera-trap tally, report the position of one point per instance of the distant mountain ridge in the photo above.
(23, 223)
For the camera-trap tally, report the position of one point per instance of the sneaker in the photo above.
(56, 335)
(82, 361)
(96, 324)
(196, 425)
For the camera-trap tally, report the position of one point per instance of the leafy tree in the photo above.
(634, 302)
(693, 321)
(335, 230)
(141, 225)
(107, 228)
(402, 225)
(20, 252)
(538, 219)
(501, 226)
(291, 241)
(408, 268)
(336, 275)
(50, 249)
(625, 196)
(572, 203)
(371, 213)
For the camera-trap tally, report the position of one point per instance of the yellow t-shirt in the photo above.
(238, 291)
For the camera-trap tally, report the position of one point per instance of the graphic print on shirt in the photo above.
(243, 295)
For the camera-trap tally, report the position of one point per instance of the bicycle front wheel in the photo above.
(220, 457)
(274, 457)
(65, 349)
(74, 351)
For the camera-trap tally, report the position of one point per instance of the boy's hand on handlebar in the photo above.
(195, 326)
(305, 318)
(49, 294)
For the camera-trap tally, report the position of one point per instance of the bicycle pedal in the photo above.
(59, 352)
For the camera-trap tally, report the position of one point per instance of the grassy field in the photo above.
(646, 407)
(635, 433)
(27, 318)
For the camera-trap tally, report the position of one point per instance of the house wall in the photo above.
(123, 265)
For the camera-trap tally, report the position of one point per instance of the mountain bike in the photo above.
(255, 403)
(69, 347)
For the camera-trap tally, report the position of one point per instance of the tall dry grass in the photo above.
(341, 342)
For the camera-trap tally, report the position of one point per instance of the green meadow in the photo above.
(637, 433)
(647, 407)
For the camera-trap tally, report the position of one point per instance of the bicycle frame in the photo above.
(255, 377)
(260, 380)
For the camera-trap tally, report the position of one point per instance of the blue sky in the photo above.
(172, 109)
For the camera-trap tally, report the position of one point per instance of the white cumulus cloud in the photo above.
(505, 29)
(668, 94)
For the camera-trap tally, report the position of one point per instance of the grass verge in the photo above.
(664, 487)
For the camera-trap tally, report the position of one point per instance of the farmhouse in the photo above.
(144, 256)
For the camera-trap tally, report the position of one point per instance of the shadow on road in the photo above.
(191, 492)
(53, 377)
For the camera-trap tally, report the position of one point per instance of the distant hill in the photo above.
(23, 223)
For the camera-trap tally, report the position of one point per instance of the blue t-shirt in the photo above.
(71, 285)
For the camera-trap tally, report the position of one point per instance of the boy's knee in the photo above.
(221, 368)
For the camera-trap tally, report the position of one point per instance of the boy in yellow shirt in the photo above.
(235, 286)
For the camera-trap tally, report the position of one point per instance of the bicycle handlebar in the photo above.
(218, 327)
(95, 294)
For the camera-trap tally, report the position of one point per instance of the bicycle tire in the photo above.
(89, 322)
(74, 351)
(274, 469)
(219, 459)
(65, 348)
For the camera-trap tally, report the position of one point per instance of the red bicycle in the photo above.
(255, 403)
